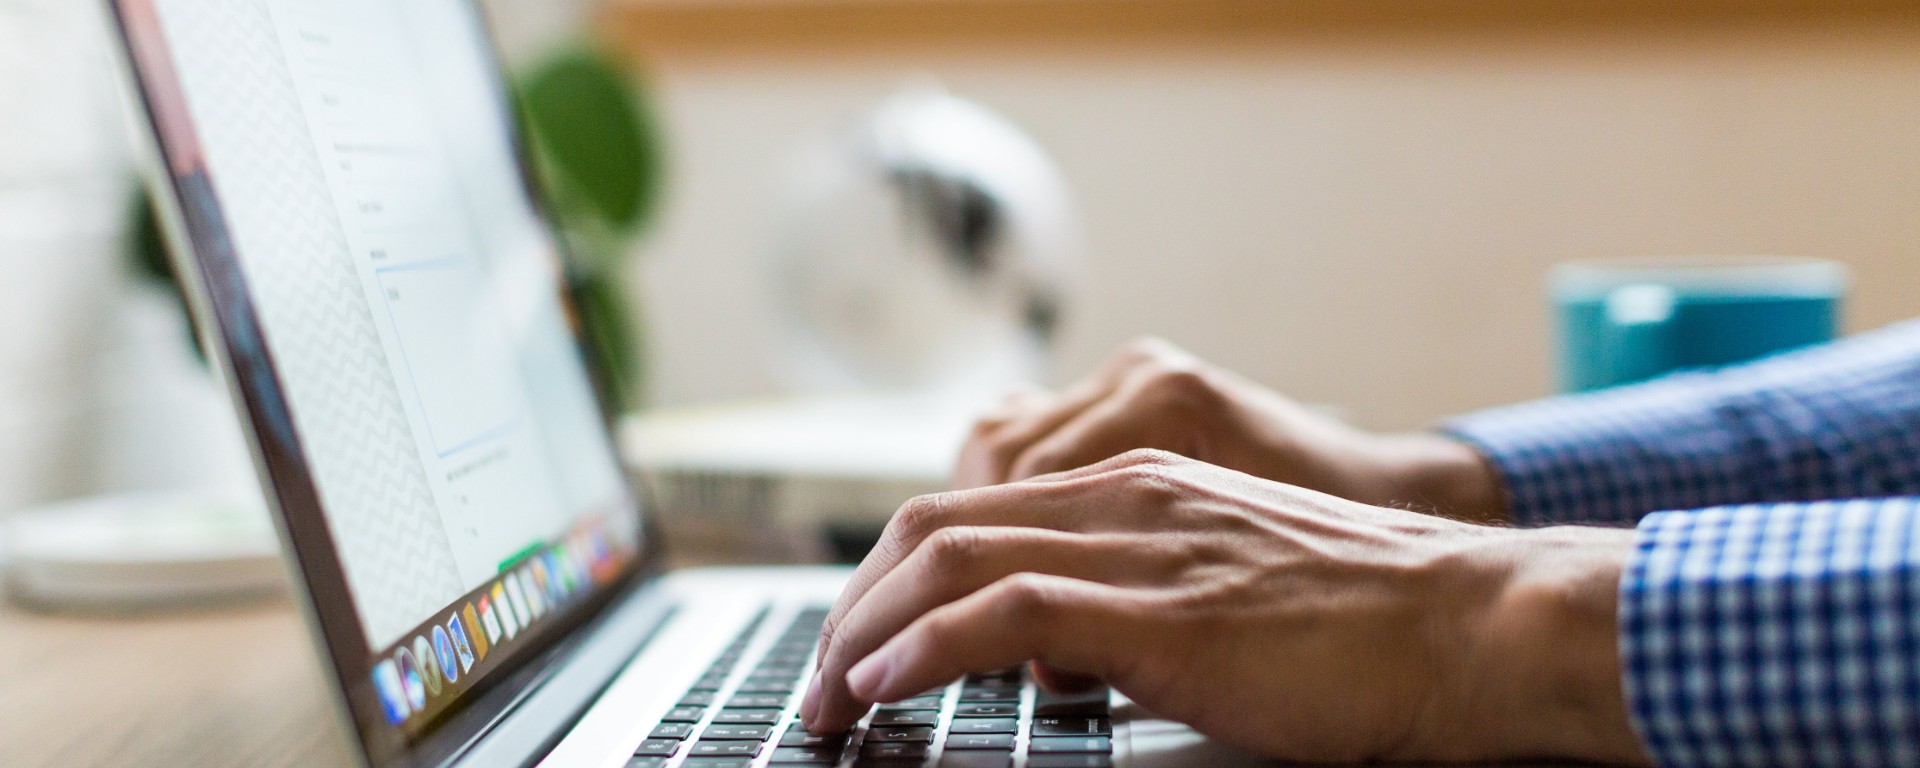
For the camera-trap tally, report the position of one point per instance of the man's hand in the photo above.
(1153, 395)
(1293, 623)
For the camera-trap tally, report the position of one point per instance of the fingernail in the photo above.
(867, 676)
(810, 703)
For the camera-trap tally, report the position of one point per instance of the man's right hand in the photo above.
(1152, 394)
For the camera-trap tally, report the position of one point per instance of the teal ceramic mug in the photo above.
(1631, 319)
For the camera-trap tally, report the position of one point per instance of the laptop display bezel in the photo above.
(228, 324)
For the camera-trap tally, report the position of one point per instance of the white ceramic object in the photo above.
(145, 551)
(930, 246)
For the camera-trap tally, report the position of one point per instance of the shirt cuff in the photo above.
(1609, 457)
(1775, 634)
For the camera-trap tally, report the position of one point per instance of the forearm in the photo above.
(1841, 421)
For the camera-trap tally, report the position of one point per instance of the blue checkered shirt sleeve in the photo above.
(1832, 422)
(1776, 635)
(1766, 627)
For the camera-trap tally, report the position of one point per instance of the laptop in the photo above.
(379, 285)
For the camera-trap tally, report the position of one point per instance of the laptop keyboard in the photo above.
(992, 720)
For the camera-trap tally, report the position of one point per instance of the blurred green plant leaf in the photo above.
(146, 244)
(597, 140)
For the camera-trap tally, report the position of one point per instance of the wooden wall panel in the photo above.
(710, 27)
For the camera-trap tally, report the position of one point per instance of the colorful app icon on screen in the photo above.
(489, 620)
(479, 634)
(429, 664)
(540, 579)
(393, 699)
(443, 651)
(462, 647)
(556, 584)
(517, 597)
(536, 597)
(602, 556)
(503, 608)
(569, 569)
(410, 681)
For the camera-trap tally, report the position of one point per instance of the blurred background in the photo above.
(794, 215)
(1354, 201)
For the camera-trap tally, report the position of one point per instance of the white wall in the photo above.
(1362, 219)
(63, 188)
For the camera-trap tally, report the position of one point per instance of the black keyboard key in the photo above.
(766, 686)
(696, 699)
(980, 741)
(747, 716)
(1042, 745)
(722, 731)
(930, 703)
(976, 759)
(973, 695)
(684, 715)
(671, 731)
(985, 725)
(758, 701)
(728, 732)
(718, 762)
(819, 755)
(647, 762)
(1072, 726)
(657, 748)
(986, 710)
(1091, 703)
(726, 748)
(708, 684)
(894, 750)
(1069, 761)
(913, 733)
(913, 717)
(797, 736)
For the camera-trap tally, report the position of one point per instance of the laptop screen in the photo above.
(392, 299)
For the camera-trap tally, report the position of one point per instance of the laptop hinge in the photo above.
(529, 728)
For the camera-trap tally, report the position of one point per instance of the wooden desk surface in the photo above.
(236, 687)
(218, 688)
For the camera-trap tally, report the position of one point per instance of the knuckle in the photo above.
(987, 426)
(922, 514)
(1181, 385)
(950, 548)
(1142, 348)
(827, 629)
(1002, 453)
(1037, 462)
(1152, 479)
(1149, 464)
(1027, 596)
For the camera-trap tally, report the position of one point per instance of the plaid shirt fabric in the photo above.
(1770, 614)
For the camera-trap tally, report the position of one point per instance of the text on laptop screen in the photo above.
(361, 155)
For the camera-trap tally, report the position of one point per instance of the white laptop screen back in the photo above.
(356, 160)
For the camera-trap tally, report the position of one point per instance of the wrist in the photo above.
(1442, 475)
(1544, 659)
